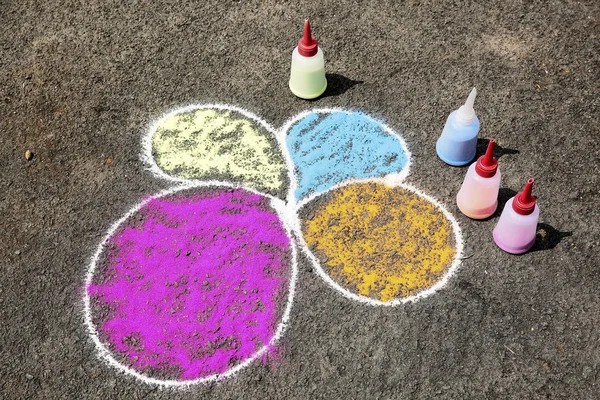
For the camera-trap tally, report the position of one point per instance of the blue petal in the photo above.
(329, 148)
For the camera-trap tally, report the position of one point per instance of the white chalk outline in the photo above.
(288, 213)
(105, 353)
(422, 294)
(392, 180)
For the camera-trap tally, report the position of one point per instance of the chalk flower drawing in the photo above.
(197, 282)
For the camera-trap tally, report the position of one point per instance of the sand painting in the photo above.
(197, 282)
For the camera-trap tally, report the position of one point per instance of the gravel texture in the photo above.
(80, 82)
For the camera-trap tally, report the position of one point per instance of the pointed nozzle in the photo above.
(471, 99)
(307, 46)
(466, 113)
(487, 165)
(307, 38)
(524, 202)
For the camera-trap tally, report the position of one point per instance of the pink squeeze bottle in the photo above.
(516, 228)
(478, 195)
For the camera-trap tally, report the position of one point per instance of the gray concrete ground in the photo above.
(80, 82)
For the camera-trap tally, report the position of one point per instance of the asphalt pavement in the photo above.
(81, 82)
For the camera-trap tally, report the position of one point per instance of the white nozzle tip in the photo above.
(466, 113)
(471, 99)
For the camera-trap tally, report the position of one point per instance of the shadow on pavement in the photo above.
(499, 151)
(503, 196)
(548, 237)
(338, 84)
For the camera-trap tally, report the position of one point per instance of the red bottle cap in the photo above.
(307, 46)
(487, 165)
(524, 202)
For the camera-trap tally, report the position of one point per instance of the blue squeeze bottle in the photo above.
(458, 143)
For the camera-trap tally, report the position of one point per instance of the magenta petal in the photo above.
(192, 284)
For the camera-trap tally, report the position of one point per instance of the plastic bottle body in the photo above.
(478, 195)
(307, 75)
(458, 143)
(515, 233)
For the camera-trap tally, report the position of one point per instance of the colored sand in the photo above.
(219, 144)
(330, 148)
(380, 242)
(192, 285)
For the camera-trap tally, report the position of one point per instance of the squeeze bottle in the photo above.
(307, 75)
(478, 195)
(516, 228)
(458, 143)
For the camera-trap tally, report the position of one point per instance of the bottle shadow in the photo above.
(548, 237)
(499, 151)
(338, 84)
(504, 195)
